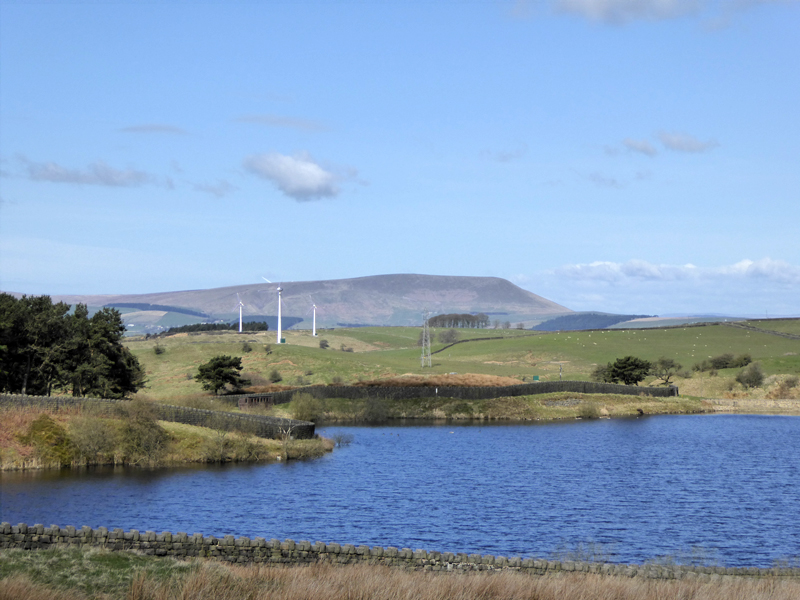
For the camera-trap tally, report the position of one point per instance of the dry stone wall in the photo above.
(302, 553)
(354, 392)
(262, 426)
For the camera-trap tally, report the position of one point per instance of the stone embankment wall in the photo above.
(355, 392)
(290, 553)
(262, 426)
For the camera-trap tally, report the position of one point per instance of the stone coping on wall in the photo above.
(259, 550)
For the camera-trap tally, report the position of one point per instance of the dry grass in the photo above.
(219, 581)
(16, 420)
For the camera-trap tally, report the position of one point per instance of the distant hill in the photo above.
(588, 320)
(375, 300)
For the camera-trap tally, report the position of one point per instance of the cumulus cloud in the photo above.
(298, 177)
(776, 271)
(155, 128)
(98, 173)
(641, 146)
(624, 11)
(682, 142)
(280, 121)
(220, 189)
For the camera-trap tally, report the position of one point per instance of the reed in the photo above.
(22, 575)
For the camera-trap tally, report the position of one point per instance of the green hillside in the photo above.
(366, 353)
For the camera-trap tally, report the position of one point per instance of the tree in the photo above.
(629, 370)
(449, 336)
(220, 371)
(751, 376)
(665, 369)
(43, 347)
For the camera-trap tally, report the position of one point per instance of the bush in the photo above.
(449, 336)
(143, 440)
(159, 349)
(50, 440)
(375, 410)
(324, 344)
(306, 407)
(246, 347)
(336, 380)
(275, 376)
(751, 376)
(268, 348)
(342, 439)
(95, 439)
(589, 410)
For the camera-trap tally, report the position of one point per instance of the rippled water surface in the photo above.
(726, 486)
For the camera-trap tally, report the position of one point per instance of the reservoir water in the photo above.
(725, 488)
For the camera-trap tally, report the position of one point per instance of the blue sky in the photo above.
(616, 155)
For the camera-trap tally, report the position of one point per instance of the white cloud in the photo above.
(155, 128)
(281, 121)
(775, 271)
(682, 142)
(624, 11)
(298, 177)
(98, 173)
(641, 146)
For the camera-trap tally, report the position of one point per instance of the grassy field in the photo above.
(380, 352)
(92, 574)
(77, 437)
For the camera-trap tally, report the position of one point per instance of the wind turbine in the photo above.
(314, 321)
(279, 314)
(240, 311)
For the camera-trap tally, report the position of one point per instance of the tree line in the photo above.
(460, 320)
(46, 348)
(197, 327)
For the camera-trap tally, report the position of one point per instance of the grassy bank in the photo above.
(81, 575)
(34, 438)
(544, 407)
(368, 353)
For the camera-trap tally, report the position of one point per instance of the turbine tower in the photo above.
(240, 311)
(314, 321)
(279, 314)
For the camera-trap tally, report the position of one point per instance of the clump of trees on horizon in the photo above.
(197, 327)
(45, 348)
(449, 321)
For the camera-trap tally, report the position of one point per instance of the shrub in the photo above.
(95, 439)
(324, 344)
(344, 348)
(751, 376)
(306, 407)
(336, 380)
(246, 347)
(50, 440)
(142, 439)
(449, 336)
(159, 349)
(741, 361)
(275, 376)
(375, 410)
(601, 373)
(589, 410)
(268, 348)
(342, 439)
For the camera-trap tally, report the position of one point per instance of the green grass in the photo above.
(389, 351)
(89, 571)
(781, 325)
